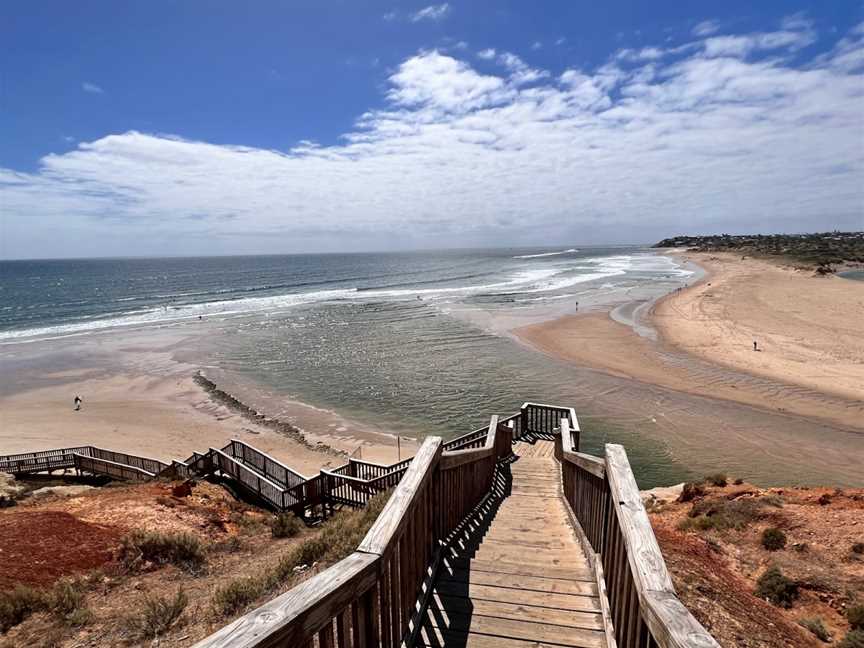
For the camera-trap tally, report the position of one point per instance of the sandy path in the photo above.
(813, 359)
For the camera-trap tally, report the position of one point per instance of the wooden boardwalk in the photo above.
(517, 577)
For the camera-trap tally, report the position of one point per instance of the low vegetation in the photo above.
(65, 601)
(717, 479)
(159, 614)
(338, 538)
(773, 539)
(182, 549)
(855, 617)
(776, 588)
(822, 250)
(854, 639)
(721, 514)
(285, 525)
(817, 628)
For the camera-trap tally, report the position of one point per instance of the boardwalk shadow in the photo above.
(448, 615)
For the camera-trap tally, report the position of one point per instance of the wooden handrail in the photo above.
(372, 594)
(604, 498)
(670, 623)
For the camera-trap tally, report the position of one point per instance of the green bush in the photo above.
(691, 491)
(854, 639)
(66, 600)
(717, 479)
(159, 614)
(285, 525)
(773, 586)
(338, 538)
(182, 549)
(855, 617)
(237, 594)
(722, 514)
(816, 627)
(17, 604)
(773, 539)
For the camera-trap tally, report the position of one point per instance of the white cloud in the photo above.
(432, 12)
(706, 28)
(561, 41)
(537, 45)
(390, 16)
(685, 142)
(487, 54)
(520, 72)
(91, 88)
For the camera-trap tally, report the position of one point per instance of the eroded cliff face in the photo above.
(713, 545)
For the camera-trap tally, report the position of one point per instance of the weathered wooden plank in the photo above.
(530, 631)
(575, 602)
(504, 567)
(670, 623)
(432, 637)
(454, 605)
(593, 465)
(519, 582)
(393, 518)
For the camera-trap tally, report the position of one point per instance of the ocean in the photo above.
(69, 297)
(412, 342)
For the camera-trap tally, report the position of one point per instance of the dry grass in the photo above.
(182, 549)
(159, 614)
(338, 538)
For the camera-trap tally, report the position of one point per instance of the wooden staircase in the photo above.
(517, 577)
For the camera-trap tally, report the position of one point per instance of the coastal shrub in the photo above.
(772, 500)
(824, 499)
(853, 639)
(858, 548)
(159, 614)
(67, 600)
(237, 594)
(338, 538)
(776, 588)
(773, 539)
(738, 481)
(855, 617)
(691, 491)
(17, 604)
(721, 514)
(717, 479)
(285, 525)
(817, 628)
(182, 549)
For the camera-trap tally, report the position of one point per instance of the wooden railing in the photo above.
(643, 606)
(265, 464)
(27, 462)
(371, 597)
(153, 466)
(99, 466)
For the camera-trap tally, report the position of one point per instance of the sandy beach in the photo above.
(808, 330)
(138, 398)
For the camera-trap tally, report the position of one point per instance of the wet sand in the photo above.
(138, 398)
(810, 368)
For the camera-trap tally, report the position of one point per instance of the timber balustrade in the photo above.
(644, 609)
(376, 595)
(371, 597)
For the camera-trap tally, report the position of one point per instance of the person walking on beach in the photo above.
(755, 348)
(78, 400)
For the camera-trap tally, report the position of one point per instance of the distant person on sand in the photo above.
(755, 348)
(78, 400)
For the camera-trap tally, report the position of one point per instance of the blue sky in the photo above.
(220, 127)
